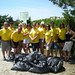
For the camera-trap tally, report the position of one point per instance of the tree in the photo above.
(64, 3)
(5, 18)
(69, 10)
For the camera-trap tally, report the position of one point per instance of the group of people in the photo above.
(38, 35)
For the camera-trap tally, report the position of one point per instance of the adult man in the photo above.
(5, 34)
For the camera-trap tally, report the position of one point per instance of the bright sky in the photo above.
(37, 9)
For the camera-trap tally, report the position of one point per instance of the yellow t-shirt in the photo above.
(33, 33)
(54, 33)
(47, 36)
(11, 29)
(24, 29)
(16, 37)
(41, 32)
(26, 32)
(5, 34)
(61, 33)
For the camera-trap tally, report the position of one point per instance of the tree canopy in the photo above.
(69, 10)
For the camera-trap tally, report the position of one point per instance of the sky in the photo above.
(37, 9)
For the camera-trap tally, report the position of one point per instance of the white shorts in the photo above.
(67, 46)
(26, 41)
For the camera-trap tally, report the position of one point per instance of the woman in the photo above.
(34, 37)
(68, 43)
(41, 37)
(16, 39)
(26, 40)
(61, 37)
(48, 39)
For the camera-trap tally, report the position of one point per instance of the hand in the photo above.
(70, 38)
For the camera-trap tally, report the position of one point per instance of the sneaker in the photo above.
(8, 59)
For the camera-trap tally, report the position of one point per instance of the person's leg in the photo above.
(3, 46)
(37, 47)
(3, 53)
(42, 46)
(56, 48)
(60, 50)
(34, 46)
(47, 50)
(15, 47)
(68, 55)
(20, 47)
(65, 55)
(52, 49)
(8, 49)
(27, 48)
(24, 48)
(55, 52)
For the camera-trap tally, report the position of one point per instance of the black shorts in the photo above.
(16, 44)
(61, 41)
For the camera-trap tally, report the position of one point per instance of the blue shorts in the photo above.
(54, 45)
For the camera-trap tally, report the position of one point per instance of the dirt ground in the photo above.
(5, 69)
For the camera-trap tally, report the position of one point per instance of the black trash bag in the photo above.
(55, 64)
(20, 63)
(39, 70)
(39, 64)
(41, 67)
(33, 56)
(21, 66)
(20, 57)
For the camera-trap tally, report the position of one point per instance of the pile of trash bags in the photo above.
(37, 63)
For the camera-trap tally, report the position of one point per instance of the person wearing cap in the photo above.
(41, 36)
(34, 37)
(26, 40)
(5, 34)
(16, 39)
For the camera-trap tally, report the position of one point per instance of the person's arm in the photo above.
(35, 36)
(73, 34)
(25, 34)
(30, 37)
(50, 40)
(12, 43)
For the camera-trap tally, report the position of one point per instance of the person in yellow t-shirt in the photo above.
(48, 40)
(11, 27)
(21, 43)
(24, 27)
(54, 32)
(41, 37)
(26, 40)
(17, 38)
(5, 34)
(34, 37)
(61, 37)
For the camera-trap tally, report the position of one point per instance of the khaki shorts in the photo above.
(6, 45)
(67, 46)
